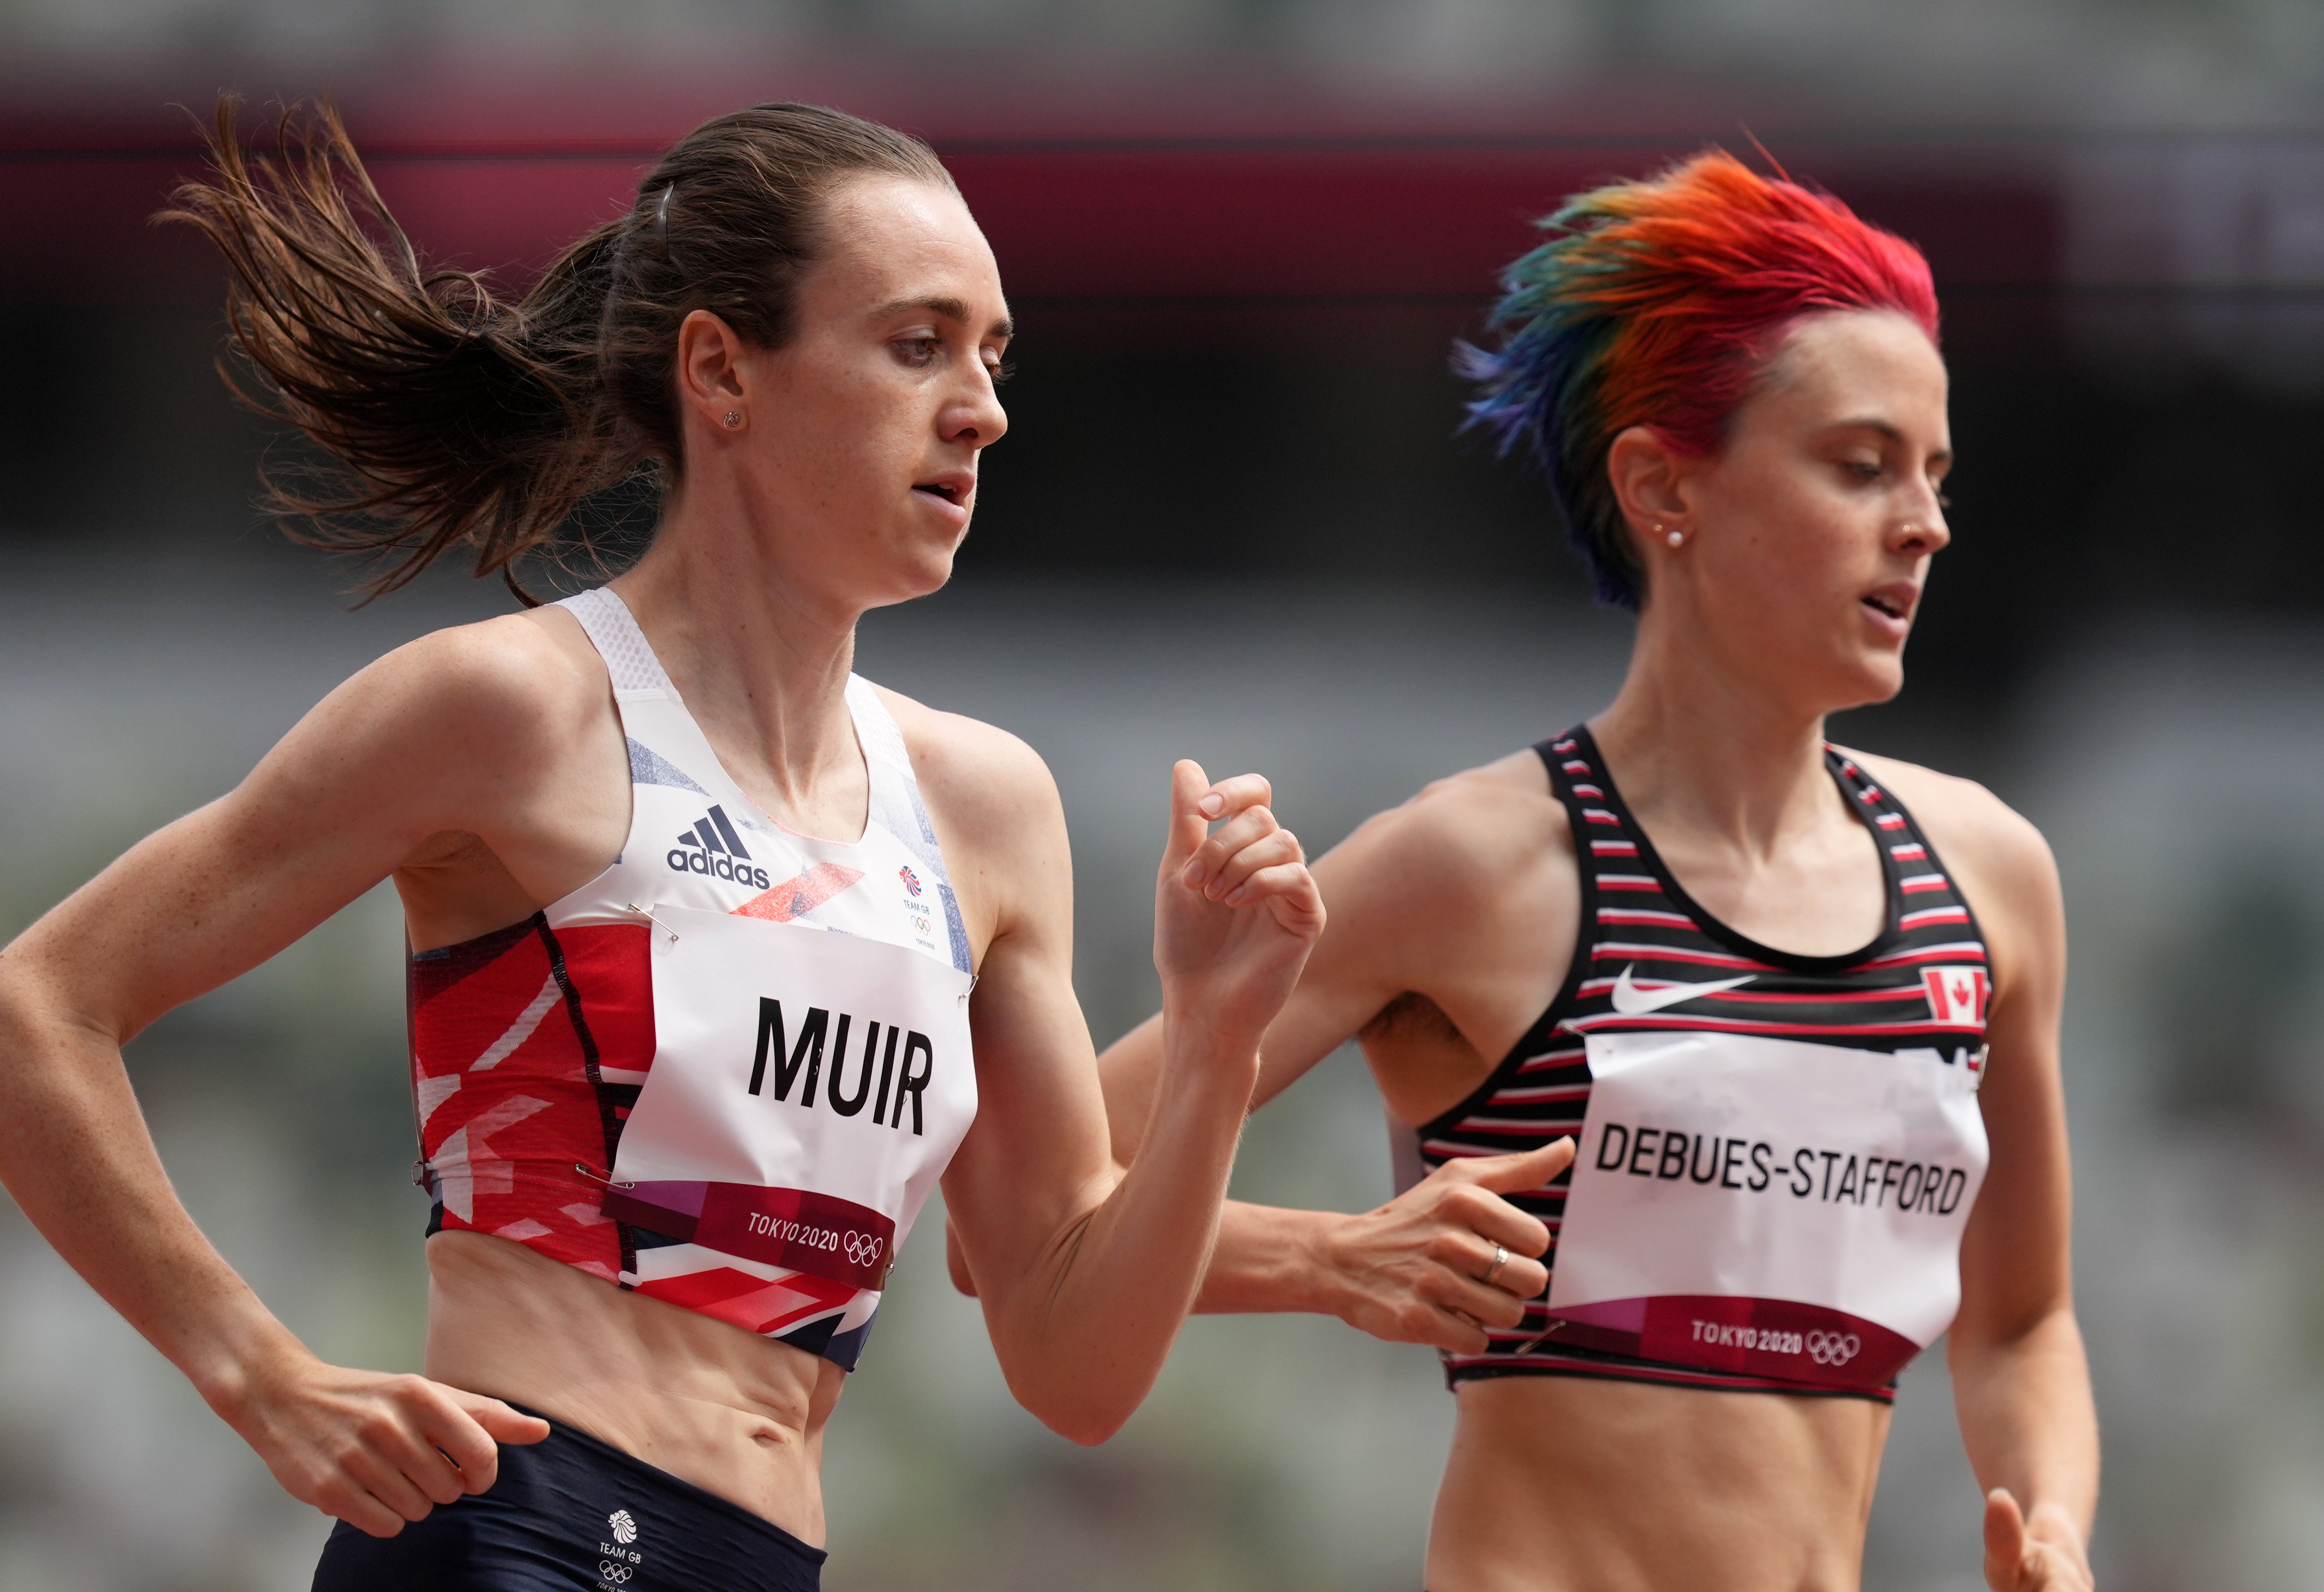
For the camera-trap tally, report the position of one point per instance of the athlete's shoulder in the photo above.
(1470, 832)
(1497, 808)
(1966, 821)
(975, 772)
(504, 683)
(1996, 856)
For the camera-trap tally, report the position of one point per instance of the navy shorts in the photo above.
(570, 1514)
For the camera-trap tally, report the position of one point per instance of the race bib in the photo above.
(1766, 1206)
(807, 1090)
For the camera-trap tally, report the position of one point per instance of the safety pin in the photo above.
(594, 1178)
(1555, 1325)
(656, 923)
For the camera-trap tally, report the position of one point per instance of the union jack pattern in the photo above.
(1922, 984)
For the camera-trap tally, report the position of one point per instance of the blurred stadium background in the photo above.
(1232, 520)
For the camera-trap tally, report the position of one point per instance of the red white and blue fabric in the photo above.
(530, 1044)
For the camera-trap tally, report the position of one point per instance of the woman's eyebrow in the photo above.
(1874, 423)
(950, 308)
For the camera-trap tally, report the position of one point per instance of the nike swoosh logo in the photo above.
(1631, 1001)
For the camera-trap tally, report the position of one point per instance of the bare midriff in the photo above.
(1568, 1484)
(736, 1414)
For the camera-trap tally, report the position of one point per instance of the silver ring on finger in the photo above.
(1500, 1259)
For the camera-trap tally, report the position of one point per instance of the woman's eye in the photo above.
(1862, 470)
(999, 370)
(918, 350)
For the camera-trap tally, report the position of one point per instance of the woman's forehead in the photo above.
(1856, 360)
(893, 243)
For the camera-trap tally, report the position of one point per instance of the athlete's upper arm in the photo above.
(434, 736)
(1035, 1159)
(1407, 894)
(2014, 1259)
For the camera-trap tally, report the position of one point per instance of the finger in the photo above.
(1288, 891)
(1459, 1334)
(500, 1422)
(1280, 848)
(1238, 794)
(1521, 1173)
(1496, 1221)
(406, 1442)
(343, 1500)
(1523, 1278)
(471, 1433)
(1460, 1285)
(1296, 899)
(1212, 857)
(1189, 826)
(2004, 1540)
(383, 1476)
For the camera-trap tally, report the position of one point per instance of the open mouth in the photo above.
(947, 490)
(1880, 605)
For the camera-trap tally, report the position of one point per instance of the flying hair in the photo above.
(449, 416)
(1659, 304)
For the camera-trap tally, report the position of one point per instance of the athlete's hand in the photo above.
(1413, 1271)
(1235, 910)
(2042, 1553)
(376, 1450)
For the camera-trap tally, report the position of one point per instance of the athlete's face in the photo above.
(866, 427)
(1807, 540)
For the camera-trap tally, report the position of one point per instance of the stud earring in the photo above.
(734, 420)
(1675, 538)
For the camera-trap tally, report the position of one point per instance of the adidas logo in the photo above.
(712, 847)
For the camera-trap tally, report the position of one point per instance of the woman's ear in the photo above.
(710, 377)
(1645, 475)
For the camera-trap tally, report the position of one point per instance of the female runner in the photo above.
(1798, 1006)
(695, 914)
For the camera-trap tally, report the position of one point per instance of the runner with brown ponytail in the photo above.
(695, 914)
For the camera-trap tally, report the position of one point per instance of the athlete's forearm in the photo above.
(75, 1154)
(1120, 1285)
(2026, 1415)
(1268, 1260)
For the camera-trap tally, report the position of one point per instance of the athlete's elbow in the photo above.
(1994, 1337)
(1088, 1426)
(1085, 1415)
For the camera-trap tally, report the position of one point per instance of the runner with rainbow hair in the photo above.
(1797, 1007)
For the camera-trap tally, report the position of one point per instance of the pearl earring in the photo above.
(734, 420)
(1675, 538)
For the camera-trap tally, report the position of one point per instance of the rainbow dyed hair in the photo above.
(1658, 303)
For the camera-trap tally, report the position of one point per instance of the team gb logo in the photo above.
(911, 880)
(624, 1529)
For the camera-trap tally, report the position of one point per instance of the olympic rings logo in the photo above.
(615, 1573)
(863, 1249)
(1834, 1348)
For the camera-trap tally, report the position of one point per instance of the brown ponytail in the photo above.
(451, 417)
